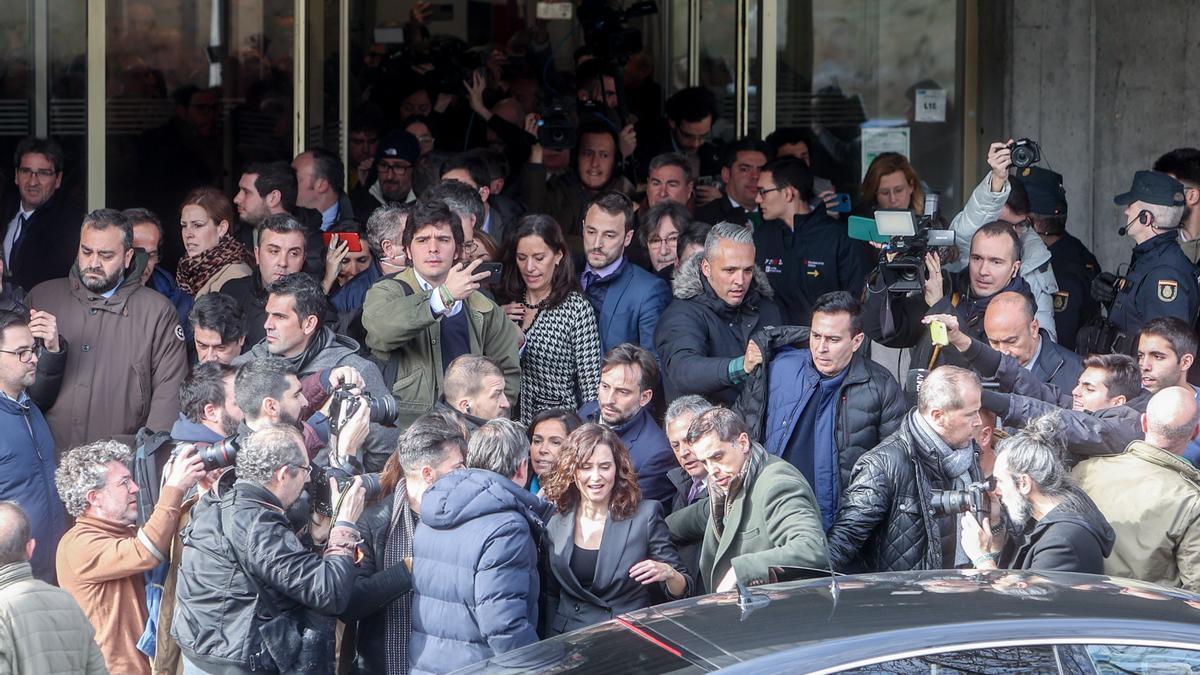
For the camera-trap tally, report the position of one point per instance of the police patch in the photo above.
(1167, 290)
(179, 332)
(1061, 298)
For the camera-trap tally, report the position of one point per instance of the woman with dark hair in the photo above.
(609, 551)
(560, 364)
(548, 432)
(214, 257)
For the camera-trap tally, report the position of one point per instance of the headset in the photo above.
(1143, 217)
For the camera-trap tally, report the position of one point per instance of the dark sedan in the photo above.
(912, 622)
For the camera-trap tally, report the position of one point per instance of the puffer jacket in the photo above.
(27, 463)
(341, 351)
(870, 403)
(700, 334)
(883, 524)
(475, 571)
(45, 631)
(984, 207)
(218, 609)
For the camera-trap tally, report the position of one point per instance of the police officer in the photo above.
(1161, 281)
(803, 251)
(1073, 264)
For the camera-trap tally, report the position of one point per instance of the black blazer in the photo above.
(623, 544)
(689, 552)
(50, 243)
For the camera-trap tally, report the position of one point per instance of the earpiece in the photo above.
(1143, 216)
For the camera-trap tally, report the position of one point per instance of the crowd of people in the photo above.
(492, 395)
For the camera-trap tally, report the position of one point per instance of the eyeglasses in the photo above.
(764, 193)
(306, 468)
(425, 139)
(398, 169)
(470, 246)
(26, 172)
(659, 241)
(23, 355)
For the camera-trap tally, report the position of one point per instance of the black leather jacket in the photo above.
(218, 609)
(883, 525)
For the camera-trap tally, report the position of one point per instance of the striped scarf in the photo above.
(399, 612)
(722, 500)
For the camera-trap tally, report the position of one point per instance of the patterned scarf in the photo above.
(952, 465)
(399, 612)
(722, 500)
(194, 272)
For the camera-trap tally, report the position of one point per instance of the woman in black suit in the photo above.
(609, 551)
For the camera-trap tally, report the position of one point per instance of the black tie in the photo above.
(16, 246)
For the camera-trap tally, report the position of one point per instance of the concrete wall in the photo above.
(1106, 86)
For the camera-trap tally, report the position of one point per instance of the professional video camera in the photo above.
(345, 403)
(973, 499)
(902, 266)
(606, 30)
(556, 129)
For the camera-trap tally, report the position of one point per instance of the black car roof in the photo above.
(824, 622)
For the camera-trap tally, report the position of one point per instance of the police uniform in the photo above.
(1161, 281)
(1073, 264)
(814, 257)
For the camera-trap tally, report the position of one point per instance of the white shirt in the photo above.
(435, 299)
(10, 237)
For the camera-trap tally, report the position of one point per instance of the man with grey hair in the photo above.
(244, 539)
(690, 478)
(886, 521)
(42, 629)
(1151, 495)
(1060, 529)
(102, 559)
(1161, 281)
(721, 299)
(122, 334)
(384, 228)
(484, 524)
(761, 514)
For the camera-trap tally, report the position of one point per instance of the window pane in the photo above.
(1000, 660)
(1120, 659)
(196, 89)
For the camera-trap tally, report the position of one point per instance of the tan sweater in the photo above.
(100, 564)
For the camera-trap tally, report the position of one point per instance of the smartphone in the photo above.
(350, 238)
(492, 268)
(842, 205)
(442, 12)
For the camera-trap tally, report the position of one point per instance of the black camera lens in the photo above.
(383, 409)
(219, 455)
(1025, 153)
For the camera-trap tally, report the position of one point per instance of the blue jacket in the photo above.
(162, 281)
(634, 302)
(349, 298)
(649, 449)
(27, 457)
(187, 431)
(475, 571)
(1161, 281)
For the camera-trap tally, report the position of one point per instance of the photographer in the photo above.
(251, 595)
(564, 197)
(886, 521)
(1104, 407)
(1061, 527)
(295, 333)
(896, 320)
(993, 199)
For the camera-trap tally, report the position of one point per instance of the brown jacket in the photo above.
(127, 358)
(1152, 500)
(101, 565)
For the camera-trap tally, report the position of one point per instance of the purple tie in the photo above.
(697, 488)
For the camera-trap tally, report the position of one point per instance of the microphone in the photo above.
(1141, 217)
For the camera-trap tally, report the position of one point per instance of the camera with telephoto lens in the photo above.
(556, 129)
(902, 268)
(221, 454)
(346, 402)
(1025, 153)
(973, 499)
(321, 496)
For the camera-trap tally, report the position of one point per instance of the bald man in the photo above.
(1151, 495)
(1012, 328)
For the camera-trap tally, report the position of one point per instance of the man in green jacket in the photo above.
(420, 320)
(760, 514)
(1151, 496)
(42, 628)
